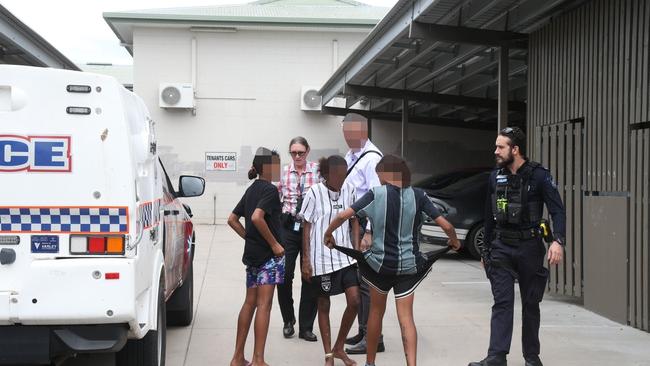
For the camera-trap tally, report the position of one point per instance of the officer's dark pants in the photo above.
(527, 261)
(307, 308)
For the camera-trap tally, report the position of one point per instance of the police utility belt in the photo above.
(514, 237)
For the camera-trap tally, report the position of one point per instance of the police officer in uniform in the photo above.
(518, 190)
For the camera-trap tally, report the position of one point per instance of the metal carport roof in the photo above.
(20, 45)
(441, 58)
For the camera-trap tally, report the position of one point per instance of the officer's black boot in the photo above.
(491, 361)
(533, 361)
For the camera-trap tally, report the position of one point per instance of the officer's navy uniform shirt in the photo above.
(396, 217)
(541, 188)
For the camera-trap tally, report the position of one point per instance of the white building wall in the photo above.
(248, 88)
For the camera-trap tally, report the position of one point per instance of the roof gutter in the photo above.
(126, 17)
(123, 42)
(113, 18)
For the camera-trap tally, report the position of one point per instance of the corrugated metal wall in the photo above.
(639, 250)
(592, 64)
(560, 147)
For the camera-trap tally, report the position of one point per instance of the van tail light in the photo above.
(115, 245)
(97, 245)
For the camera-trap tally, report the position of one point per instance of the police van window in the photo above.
(170, 187)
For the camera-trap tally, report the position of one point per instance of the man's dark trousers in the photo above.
(307, 308)
(364, 290)
(364, 305)
(526, 260)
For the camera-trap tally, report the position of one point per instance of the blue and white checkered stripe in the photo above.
(97, 220)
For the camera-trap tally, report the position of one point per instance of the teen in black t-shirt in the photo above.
(263, 253)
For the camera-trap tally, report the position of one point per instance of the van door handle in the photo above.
(172, 212)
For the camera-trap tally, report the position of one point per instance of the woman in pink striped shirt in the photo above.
(295, 181)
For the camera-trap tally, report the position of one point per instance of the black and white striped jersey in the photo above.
(320, 207)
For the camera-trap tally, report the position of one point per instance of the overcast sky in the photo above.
(77, 29)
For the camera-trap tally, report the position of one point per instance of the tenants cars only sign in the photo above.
(221, 161)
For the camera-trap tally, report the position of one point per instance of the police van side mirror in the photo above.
(190, 186)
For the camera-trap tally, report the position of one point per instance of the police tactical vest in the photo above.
(510, 202)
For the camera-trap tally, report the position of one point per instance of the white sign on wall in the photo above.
(221, 161)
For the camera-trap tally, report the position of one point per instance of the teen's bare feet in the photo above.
(329, 359)
(341, 355)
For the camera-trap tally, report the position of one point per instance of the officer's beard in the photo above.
(502, 163)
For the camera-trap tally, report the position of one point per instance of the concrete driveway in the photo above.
(452, 310)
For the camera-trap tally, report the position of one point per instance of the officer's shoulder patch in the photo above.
(549, 179)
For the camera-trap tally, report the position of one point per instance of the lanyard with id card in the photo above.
(301, 190)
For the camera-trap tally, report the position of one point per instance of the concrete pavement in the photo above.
(452, 310)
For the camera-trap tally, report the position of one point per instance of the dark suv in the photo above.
(463, 204)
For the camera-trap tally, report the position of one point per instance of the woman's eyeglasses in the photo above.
(297, 154)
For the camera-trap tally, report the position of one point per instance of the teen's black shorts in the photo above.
(402, 285)
(334, 283)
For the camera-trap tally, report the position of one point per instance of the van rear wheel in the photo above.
(150, 350)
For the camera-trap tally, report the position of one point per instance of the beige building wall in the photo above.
(248, 89)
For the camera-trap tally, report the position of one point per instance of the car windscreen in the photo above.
(451, 190)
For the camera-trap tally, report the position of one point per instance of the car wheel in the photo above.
(475, 241)
(150, 350)
(183, 302)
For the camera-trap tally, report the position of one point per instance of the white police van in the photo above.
(95, 247)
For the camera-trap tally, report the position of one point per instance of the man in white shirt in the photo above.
(362, 159)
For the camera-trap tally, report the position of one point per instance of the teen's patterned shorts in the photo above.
(270, 273)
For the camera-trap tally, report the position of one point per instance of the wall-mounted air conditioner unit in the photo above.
(176, 95)
(309, 99)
